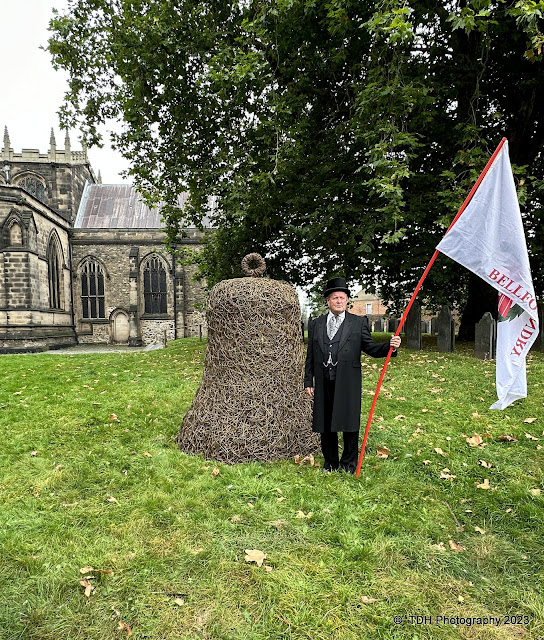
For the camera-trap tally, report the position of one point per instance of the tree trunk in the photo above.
(481, 298)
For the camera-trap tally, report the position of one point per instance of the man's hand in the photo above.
(395, 342)
(309, 391)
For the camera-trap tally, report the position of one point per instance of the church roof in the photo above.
(119, 206)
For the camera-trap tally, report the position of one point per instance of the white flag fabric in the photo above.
(488, 239)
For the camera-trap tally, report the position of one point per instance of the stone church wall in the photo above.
(27, 321)
(123, 254)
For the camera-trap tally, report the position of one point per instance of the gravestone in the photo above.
(445, 340)
(434, 326)
(392, 325)
(538, 344)
(412, 328)
(378, 325)
(425, 328)
(485, 337)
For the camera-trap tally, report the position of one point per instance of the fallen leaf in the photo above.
(215, 472)
(439, 451)
(509, 510)
(179, 601)
(530, 437)
(111, 499)
(484, 485)
(535, 492)
(382, 452)
(301, 514)
(278, 524)
(508, 438)
(125, 627)
(478, 530)
(280, 499)
(88, 587)
(147, 454)
(86, 570)
(251, 505)
(33, 454)
(114, 418)
(367, 600)
(529, 420)
(400, 417)
(460, 598)
(446, 475)
(476, 441)
(254, 555)
(236, 518)
(268, 569)
(455, 546)
(439, 547)
(487, 465)
(426, 462)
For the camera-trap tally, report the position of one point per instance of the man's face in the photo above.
(337, 302)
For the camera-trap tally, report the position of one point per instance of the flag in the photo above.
(488, 239)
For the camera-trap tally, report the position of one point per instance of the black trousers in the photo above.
(329, 439)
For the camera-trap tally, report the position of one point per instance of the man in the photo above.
(333, 374)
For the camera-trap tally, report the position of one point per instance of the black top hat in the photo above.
(336, 284)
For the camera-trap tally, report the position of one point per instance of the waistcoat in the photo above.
(331, 352)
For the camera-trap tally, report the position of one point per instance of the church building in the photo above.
(84, 262)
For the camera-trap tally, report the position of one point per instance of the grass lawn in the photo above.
(107, 531)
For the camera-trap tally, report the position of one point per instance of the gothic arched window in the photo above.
(92, 289)
(54, 264)
(154, 286)
(34, 186)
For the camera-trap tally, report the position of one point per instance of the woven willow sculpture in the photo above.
(251, 404)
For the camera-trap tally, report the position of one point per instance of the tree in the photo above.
(340, 136)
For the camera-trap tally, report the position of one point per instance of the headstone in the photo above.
(392, 325)
(434, 326)
(538, 344)
(412, 328)
(445, 340)
(378, 325)
(485, 337)
(425, 326)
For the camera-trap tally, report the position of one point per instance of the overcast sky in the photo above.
(32, 91)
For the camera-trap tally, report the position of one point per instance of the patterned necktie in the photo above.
(332, 326)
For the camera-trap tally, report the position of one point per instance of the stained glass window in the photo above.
(34, 186)
(92, 290)
(154, 286)
(55, 276)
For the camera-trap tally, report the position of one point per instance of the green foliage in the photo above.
(340, 136)
(168, 553)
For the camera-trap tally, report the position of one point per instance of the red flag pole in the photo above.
(409, 306)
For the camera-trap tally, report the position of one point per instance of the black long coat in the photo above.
(356, 338)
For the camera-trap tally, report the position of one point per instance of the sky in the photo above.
(32, 91)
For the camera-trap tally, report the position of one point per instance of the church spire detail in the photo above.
(7, 143)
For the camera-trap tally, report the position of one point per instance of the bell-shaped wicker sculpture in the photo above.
(251, 405)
